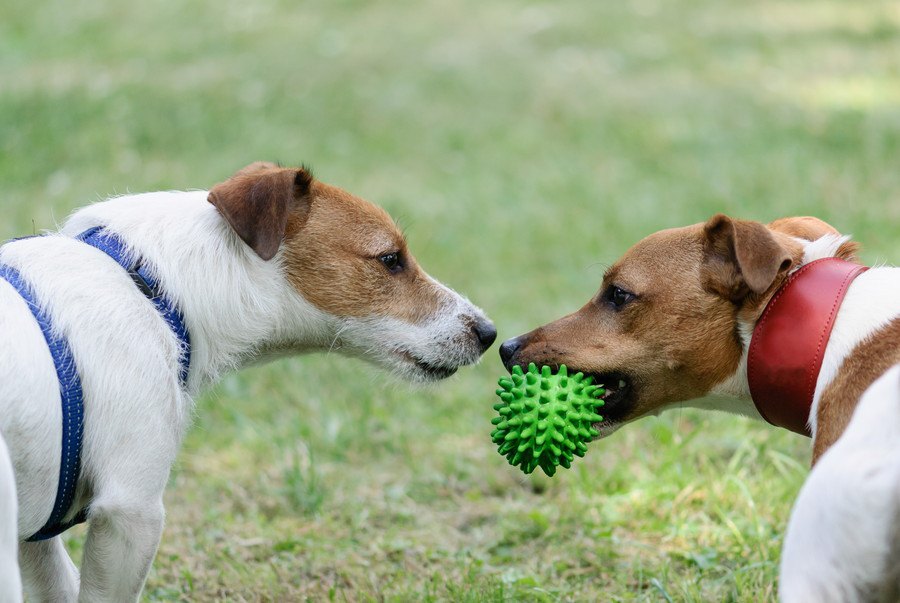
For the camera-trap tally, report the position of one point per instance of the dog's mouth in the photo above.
(435, 372)
(618, 401)
(428, 370)
(618, 388)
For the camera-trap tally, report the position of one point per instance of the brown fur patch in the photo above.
(331, 241)
(807, 228)
(868, 360)
(332, 260)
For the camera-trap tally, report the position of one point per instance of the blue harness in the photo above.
(70, 389)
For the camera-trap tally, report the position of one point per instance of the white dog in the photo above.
(270, 262)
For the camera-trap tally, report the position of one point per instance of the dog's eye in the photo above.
(391, 261)
(618, 297)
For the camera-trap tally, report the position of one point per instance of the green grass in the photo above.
(522, 145)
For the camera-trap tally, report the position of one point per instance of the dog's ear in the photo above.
(741, 257)
(258, 200)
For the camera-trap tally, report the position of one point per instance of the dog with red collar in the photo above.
(775, 321)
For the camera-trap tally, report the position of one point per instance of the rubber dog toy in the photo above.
(545, 419)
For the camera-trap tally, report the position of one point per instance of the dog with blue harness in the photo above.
(110, 327)
(63, 516)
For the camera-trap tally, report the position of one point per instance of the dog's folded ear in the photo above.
(741, 257)
(258, 201)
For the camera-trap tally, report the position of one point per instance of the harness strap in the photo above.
(72, 398)
(71, 392)
(114, 247)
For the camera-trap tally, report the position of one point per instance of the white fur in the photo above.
(10, 583)
(872, 301)
(825, 246)
(733, 394)
(238, 308)
(842, 536)
(390, 342)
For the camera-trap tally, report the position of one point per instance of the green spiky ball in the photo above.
(545, 419)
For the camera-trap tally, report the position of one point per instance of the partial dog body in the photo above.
(672, 325)
(843, 540)
(269, 263)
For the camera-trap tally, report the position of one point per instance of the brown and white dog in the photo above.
(672, 325)
(270, 262)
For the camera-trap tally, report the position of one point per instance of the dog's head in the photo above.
(668, 322)
(346, 257)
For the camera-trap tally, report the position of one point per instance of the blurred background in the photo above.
(523, 146)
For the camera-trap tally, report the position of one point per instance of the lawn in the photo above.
(522, 146)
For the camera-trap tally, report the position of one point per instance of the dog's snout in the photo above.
(486, 332)
(508, 350)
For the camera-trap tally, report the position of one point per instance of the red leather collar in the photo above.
(789, 341)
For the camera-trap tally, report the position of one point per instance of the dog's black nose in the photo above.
(486, 333)
(508, 350)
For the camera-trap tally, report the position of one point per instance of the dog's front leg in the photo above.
(118, 552)
(48, 573)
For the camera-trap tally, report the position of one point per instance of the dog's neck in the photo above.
(790, 339)
(733, 394)
(239, 309)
